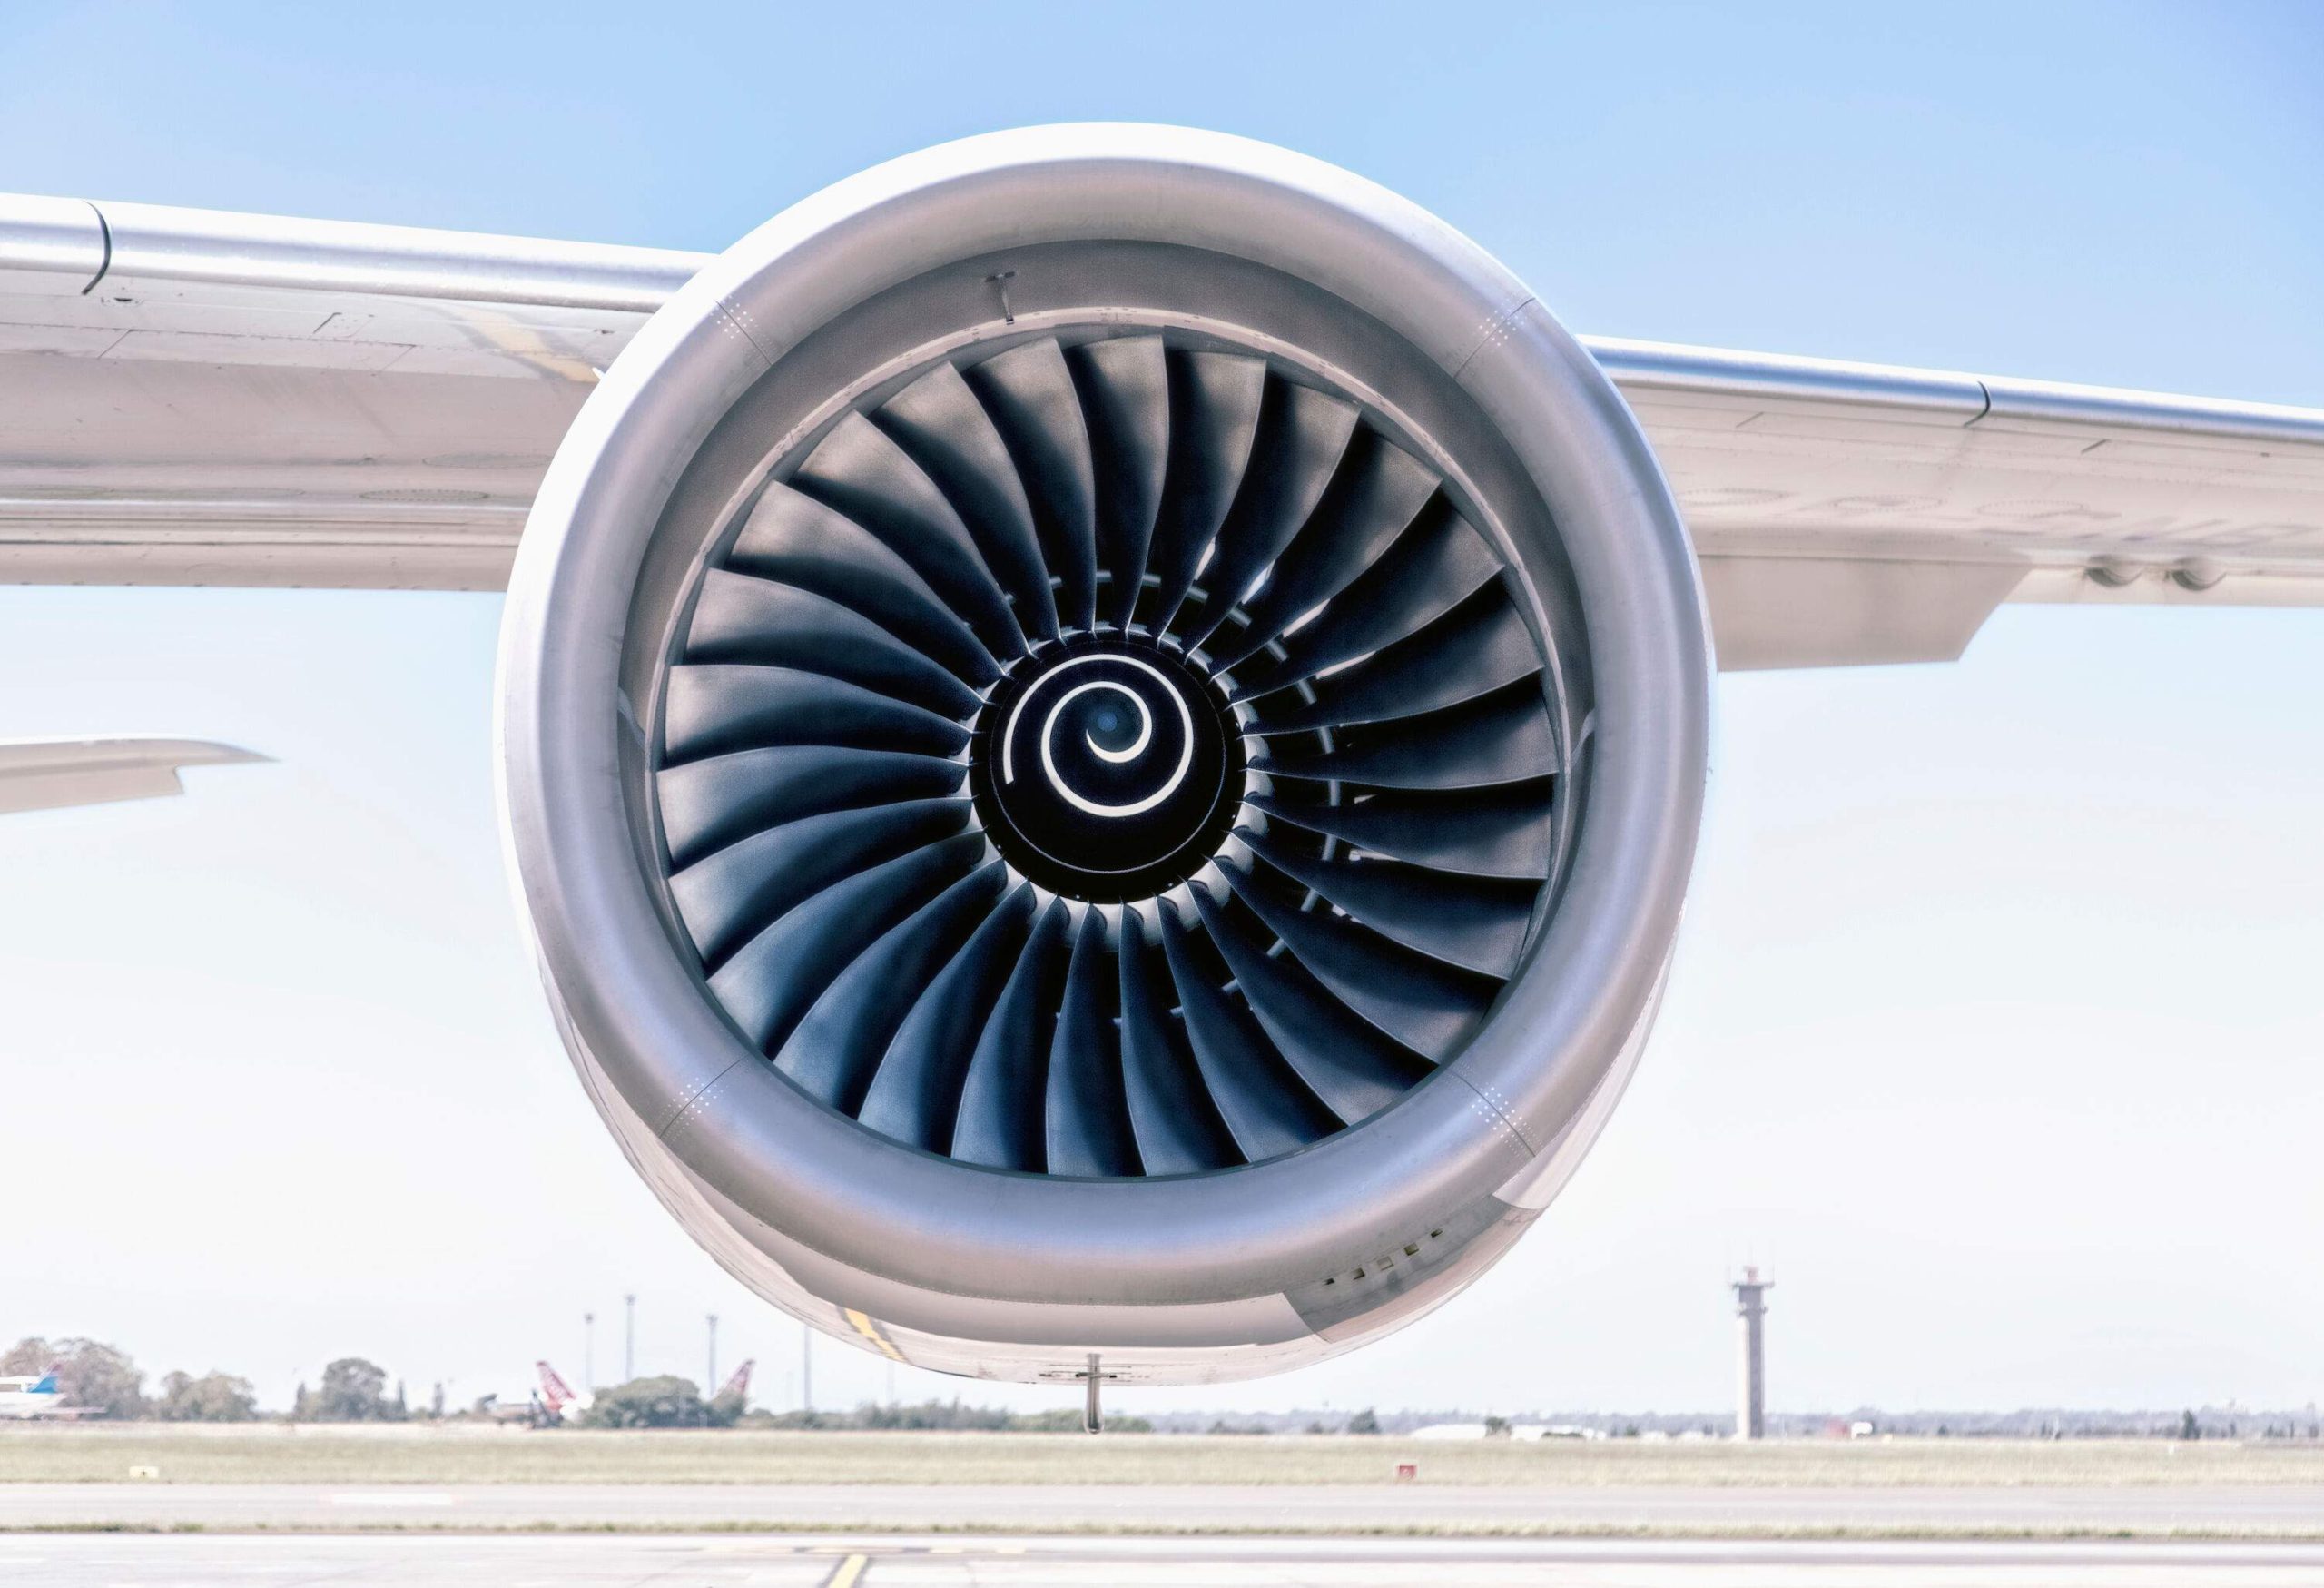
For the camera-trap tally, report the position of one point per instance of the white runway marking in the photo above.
(410, 1561)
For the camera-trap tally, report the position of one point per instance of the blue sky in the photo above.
(1995, 1033)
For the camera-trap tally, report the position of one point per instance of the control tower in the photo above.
(1751, 1387)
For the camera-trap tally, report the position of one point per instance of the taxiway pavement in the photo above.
(2284, 1511)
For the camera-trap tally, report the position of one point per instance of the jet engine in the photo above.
(1102, 731)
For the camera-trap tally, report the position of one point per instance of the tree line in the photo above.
(103, 1379)
(107, 1382)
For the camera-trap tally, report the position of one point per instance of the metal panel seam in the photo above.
(685, 1105)
(1496, 329)
(1496, 1109)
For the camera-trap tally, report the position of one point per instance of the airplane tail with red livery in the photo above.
(555, 1394)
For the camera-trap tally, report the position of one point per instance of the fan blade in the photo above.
(1215, 404)
(939, 421)
(1125, 393)
(1487, 833)
(709, 710)
(708, 804)
(835, 1048)
(793, 539)
(1178, 1130)
(1029, 394)
(774, 978)
(1503, 738)
(1089, 1118)
(1432, 568)
(1351, 1067)
(1427, 1007)
(1475, 924)
(1266, 1108)
(1479, 646)
(1373, 500)
(724, 895)
(738, 618)
(1001, 1121)
(858, 469)
(917, 1087)
(1303, 436)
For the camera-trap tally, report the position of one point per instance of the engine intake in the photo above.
(1102, 732)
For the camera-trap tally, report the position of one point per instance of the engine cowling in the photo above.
(1102, 732)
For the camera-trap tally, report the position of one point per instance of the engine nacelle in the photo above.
(1102, 730)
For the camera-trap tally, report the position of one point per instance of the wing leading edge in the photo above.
(189, 398)
(193, 398)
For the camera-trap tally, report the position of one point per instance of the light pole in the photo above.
(589, 1352)
(1751, 1386)
(629, 1338)
(710, 1379)
(807, 1367)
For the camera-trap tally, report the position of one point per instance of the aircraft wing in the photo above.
(194, 398)
(42, 774)
(1847, 513)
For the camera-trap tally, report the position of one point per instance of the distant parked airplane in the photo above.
(557, 1394)
(543, 1407)
(28, 1395)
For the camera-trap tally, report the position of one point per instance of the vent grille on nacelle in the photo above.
(1263, 863)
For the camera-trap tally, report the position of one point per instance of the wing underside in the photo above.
(44, 774)
(191, 398)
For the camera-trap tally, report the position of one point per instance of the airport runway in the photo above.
(2240, 1510)
(567, 1561)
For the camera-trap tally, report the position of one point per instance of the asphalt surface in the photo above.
(405, 1561)
(2281, 1511)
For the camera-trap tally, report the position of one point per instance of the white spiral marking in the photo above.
(1129, 751)
(1145, 737)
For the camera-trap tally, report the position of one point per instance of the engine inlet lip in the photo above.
(656, 1052)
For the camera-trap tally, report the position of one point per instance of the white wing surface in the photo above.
(1853, 513)
(195, 398)
(42, 774)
